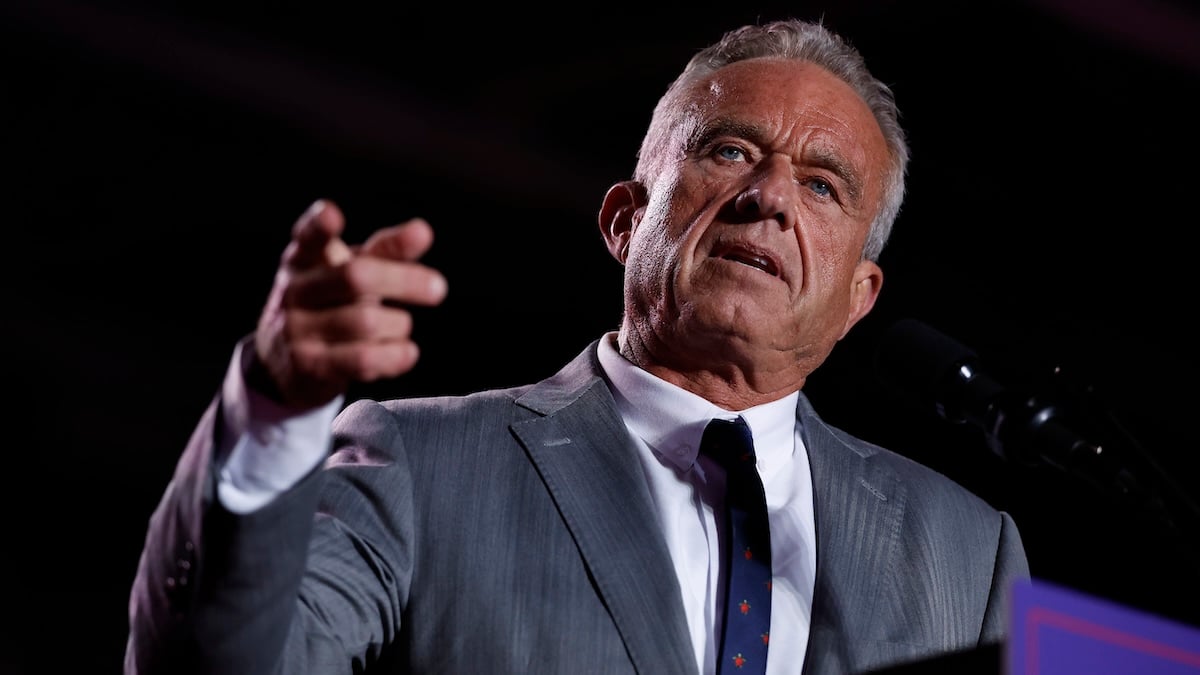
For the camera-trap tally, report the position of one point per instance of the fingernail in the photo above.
(438, 286)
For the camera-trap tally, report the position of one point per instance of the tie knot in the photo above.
(730, 443)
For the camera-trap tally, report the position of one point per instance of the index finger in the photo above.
(407, 241)
(315, 236)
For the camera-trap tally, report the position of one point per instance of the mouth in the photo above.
(759, 260)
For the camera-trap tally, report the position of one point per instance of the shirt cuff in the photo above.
(267, 447)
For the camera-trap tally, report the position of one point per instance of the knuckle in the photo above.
(306, 358)
(290, 328)
(356, 275)
(362, 363)
(364, 321)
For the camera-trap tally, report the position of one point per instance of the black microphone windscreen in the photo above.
(918, 359)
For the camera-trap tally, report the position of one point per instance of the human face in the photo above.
(743, 253)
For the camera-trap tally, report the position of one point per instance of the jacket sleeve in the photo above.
(308, 583)
(209, 582)
(1011, 566)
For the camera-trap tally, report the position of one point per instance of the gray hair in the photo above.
(811, 42)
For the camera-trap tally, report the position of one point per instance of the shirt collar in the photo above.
(671, 420)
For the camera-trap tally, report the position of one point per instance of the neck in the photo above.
(720, 373)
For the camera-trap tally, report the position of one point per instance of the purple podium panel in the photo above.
(1058, 631)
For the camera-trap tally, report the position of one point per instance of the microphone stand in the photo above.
(1151, 490)
(1038, 429)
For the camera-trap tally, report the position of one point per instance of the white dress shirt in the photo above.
(667, 424)
(268, 451)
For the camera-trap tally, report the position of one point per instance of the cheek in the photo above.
(654, 228)
(660, 199)
(654, 250)
(832, 252)
(650, 257)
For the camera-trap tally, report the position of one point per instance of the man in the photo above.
(571, 525)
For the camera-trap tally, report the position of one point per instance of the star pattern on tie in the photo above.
(746, 543)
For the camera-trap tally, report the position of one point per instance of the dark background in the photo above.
(158, 154)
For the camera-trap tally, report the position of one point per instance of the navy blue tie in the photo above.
(747, 559)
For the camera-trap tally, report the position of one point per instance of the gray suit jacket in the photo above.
(512, 531)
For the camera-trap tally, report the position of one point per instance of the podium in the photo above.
(1054, 630)
(1059, 631)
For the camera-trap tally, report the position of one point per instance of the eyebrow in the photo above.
(822, 157)
(703, 134)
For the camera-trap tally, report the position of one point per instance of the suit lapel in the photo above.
(589, 465)
(859, 507)
(590, 468)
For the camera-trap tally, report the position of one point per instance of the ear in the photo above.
(619, 216)
(864, 290)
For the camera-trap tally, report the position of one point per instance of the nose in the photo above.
(769, 193)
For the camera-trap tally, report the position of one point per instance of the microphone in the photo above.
(1032, 429)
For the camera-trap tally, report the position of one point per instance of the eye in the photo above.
(819, 186)
(731, 153)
